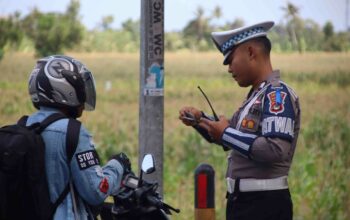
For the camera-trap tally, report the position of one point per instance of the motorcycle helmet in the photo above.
(62, 82)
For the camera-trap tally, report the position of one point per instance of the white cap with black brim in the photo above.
(225, 41)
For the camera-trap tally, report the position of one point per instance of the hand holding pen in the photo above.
(190, 116)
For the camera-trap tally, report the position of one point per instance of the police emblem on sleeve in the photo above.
(276, 108)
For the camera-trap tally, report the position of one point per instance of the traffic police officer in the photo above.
(65, 85)
(262, 134)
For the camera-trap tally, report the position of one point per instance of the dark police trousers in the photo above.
(262, 205)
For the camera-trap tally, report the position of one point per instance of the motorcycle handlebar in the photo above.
(141, 193)
(154, 201)
(160, 204)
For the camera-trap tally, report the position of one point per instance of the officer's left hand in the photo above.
(215, 128)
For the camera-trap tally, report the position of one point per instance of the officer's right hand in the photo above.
(186, 112)
(124, 161)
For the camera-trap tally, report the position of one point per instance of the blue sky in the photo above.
(179, 12)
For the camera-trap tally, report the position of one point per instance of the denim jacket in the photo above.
(92, 182)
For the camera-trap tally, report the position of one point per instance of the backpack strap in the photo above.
(23, 120)
(72, 139)
(49, 120)
(40, 127)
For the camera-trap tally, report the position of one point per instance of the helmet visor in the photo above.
(90, 91)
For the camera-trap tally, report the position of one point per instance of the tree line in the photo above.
(52, 33)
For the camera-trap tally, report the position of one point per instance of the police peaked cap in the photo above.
(225, 41)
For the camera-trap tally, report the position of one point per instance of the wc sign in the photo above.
(155, 30)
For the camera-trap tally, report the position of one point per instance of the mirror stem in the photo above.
(140, 180)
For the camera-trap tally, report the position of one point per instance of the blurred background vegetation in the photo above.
(313, 60)
(52, 32)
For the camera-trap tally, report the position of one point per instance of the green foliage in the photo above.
(133, 28)
(10, 32)
(328, 30)
(338, 42)
(312, 35)
(327, 141)
(105, 42)
(54, 32)
(197, 31)
(335, 42)
(107, 22)
(174, 41)
(340, 78)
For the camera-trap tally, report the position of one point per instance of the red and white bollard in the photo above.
(204, 178)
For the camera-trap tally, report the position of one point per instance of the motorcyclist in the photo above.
(63, 84)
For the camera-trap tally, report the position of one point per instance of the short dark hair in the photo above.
(265, 43)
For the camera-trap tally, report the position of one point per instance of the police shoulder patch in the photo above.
(275, 107)
(87, 159)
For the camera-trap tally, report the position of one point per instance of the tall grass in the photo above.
(319, 177)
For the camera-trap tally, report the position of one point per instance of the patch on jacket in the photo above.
(104, 185)
(87, 159)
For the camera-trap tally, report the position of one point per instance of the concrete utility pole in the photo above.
(151, 125)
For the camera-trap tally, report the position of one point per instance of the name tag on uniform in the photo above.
(87, 159)
(274, 124)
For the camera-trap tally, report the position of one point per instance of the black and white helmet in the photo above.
(62, 81)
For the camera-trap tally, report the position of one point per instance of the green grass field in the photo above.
(320, 175)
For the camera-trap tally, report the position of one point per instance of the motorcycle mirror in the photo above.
(148, 165)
